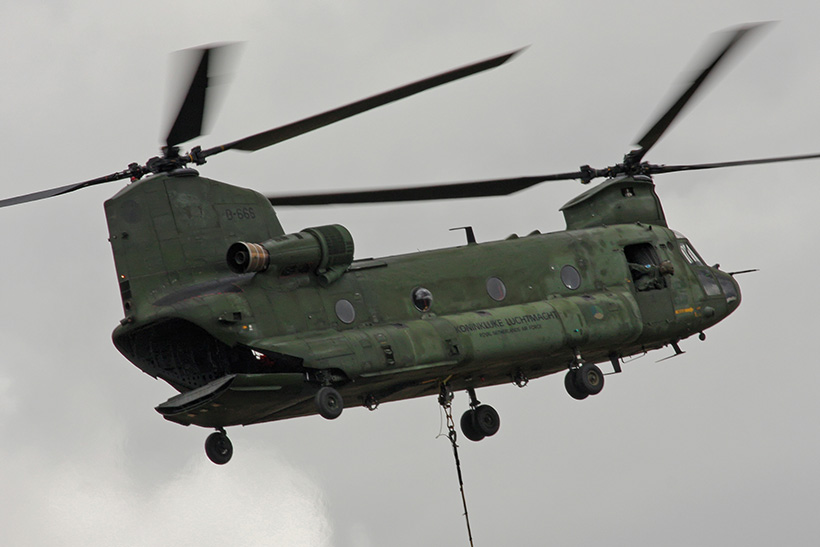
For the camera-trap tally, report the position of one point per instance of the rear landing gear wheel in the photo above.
(329, 402)
(218, 447)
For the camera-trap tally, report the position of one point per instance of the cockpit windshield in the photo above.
(688, 252)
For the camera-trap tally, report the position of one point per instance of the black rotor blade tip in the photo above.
(735, 36)
(188, 124)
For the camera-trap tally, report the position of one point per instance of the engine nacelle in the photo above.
(325, 250)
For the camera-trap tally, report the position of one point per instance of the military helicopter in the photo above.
(252, 324)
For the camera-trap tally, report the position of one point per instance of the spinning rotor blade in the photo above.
(211, 68)
(189, 120)
(43, 194)
(702, 166)
(631, 165)
(188, 124)
(285, 132)
(657, 130)
(496, 187)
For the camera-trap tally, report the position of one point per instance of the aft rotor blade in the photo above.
(188, 124)
(285, 132)
(212, 68)
(655, 169)
(43, 194)
(656, 131)
(484, 188)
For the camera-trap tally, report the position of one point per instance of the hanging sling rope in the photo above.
(445, 399)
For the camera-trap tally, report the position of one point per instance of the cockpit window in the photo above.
(729, 288)
(691, 256)
(708, 281)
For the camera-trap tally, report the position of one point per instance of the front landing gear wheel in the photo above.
(469, 426)
(218, 447)
(590, 379)
(329, 402)
(571, 384)
(584, 381)
(480, 422)
(487, 420)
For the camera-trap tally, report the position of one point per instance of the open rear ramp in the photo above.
(240, 399)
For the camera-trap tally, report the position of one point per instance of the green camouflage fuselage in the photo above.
(252, 347)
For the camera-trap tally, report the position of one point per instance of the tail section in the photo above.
(170, 232)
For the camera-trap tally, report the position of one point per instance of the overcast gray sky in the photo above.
(716, 447)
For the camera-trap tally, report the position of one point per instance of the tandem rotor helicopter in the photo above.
(253, 324)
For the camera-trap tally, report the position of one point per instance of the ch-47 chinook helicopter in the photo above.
(252, 324)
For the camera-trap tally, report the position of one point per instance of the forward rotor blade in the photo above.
(484, 188)
(656, 131)
(496, 187)
(43, 194)
(285, 132)
(655, 169)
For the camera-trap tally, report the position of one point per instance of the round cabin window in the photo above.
(496, 289)
(345, 311)
(422, 299)
(570, 277)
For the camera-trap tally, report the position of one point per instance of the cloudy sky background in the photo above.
(715, 447)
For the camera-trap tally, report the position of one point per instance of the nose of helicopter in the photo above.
(731, 290)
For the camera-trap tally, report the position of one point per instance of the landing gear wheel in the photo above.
(590, 379)
(486, 420)
(469, 426)
(218, 447)
(329, 402)
(571, 384)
